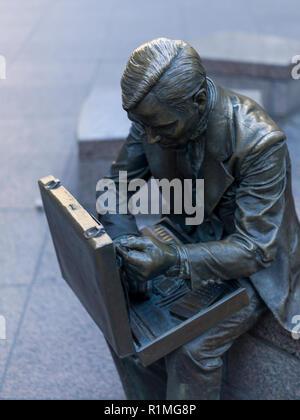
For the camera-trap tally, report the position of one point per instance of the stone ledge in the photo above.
(270, 330)
(257, 62)
(234, 68)
(245, 54)
(261, 372)
(102, 117)
(91, 150)
(261, 361)
(230, 393)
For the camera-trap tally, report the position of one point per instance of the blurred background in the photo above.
(59, 101)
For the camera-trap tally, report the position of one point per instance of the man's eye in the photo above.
(166, 133)
(168, 128)
(163, 130)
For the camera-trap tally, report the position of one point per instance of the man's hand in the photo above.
(117, 244)
(118, 240)
(145, 258)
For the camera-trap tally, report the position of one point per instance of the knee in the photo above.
(206, 361)
(209, 365)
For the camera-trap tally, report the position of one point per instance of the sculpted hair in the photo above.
(171, 69)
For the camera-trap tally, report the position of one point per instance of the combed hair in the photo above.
(171, 69)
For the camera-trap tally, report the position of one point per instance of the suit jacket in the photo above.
(247, 175)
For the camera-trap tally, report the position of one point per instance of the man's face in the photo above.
(164, 125)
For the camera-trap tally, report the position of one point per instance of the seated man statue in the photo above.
(185, 126)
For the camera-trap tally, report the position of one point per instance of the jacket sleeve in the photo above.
(131, 159)
(260, 203)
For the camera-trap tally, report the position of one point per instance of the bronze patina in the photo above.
(186, 126)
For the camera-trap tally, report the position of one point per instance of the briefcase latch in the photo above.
(55, 183)
(94, 232)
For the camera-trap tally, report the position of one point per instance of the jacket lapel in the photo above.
(219, 147)
(217, 180)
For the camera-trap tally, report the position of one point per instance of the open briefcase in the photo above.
(151, 329)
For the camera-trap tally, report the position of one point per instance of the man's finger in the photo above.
(133, 257)
(124, 237)
(123, 252)
(137, 258)
(139, 244)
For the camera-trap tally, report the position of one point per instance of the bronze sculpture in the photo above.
(148, 328)
(186, 126)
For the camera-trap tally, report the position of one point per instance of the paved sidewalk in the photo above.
(55, 49)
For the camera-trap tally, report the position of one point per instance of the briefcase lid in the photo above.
(87, 260)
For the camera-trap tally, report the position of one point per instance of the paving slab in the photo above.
(50, 271)
(12, 39)
(60, 353)
(34, 72)
(80, 36)
(45, 101)
(24, 7)
(142, 22)
(264, 17)
(18, 19)
(22, 234)
(81, 10)
(102, 117)
(12, 301)
(31, 150)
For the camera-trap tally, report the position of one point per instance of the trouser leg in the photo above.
(195, 370)
(140, 383)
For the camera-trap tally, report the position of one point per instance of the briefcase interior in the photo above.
(151, 328)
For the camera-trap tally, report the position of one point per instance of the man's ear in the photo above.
(200, 100)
